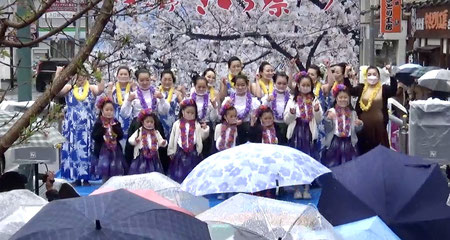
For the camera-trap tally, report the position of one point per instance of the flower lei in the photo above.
(363, 106)
(306, 116)
(347, 113)
(187, 142)
(204, 111)
(110, 136)
(279, 116)
(248, 105)
(149, 151)
(169, 94)
(270, 136)
(264, 87)
(119, 92)
(226, 143)
(317, 88)
(85, 93)
(142, 99)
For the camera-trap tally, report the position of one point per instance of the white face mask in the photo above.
(305, 90)
(123, 79)
(372, 80)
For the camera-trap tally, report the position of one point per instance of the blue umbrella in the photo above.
(252, 168)
(404, 75)
(368, 229)
(114, 215)
(407, 193)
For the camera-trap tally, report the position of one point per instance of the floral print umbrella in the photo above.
(252, 168)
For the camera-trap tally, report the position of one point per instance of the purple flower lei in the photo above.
(202, 115)
(248, 105)
(142, 99)
(279, 116)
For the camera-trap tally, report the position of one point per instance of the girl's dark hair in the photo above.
(231, 108)
(123, 67)
(182, 107)
(142, 71)
(168, 71)
(102, 105)
(317, 69)
(155, 119)
(280, 74)
(297, 91)
(199, 78)
(262, 65)
(208, 70)
(232, 59)
(257, 130)
(375, 68)
(241, 76)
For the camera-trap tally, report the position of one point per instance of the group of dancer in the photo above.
(134, 126)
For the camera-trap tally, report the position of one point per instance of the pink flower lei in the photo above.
(142, 99)
(305, 115)
(248, 105)
(279, 116)
(202, 114)
(271, 137)
(347, 113)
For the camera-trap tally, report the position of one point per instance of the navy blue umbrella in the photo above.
(404, 76)
(408, 194)
(114, 215)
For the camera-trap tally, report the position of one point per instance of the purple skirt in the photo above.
(340, 151)
(109, 163)
(182, 164)
(146, 164)
(302, 139)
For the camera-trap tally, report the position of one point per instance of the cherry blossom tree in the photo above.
(195, 34)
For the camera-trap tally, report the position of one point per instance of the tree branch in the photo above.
(314, 47)
(14, 132)
(28, 21)
(51, 33)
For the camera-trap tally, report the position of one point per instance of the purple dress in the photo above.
(340, 151)
(182, 164)
(146, 164)
(302, 139)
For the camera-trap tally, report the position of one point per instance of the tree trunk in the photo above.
(23, 122)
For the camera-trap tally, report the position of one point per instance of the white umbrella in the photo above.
(270, 218)
(409, 65)
(436, 80)
(17, 208)
(162, 185)
(252, 167)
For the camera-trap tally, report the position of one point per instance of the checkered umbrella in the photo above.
(421, 71)
(48, 137)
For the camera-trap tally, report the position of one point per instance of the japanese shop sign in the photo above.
(433, 22)
(391, 16)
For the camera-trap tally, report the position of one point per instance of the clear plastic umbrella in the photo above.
(163, 185)
(436, 80)
(17, 208)
(272, 219)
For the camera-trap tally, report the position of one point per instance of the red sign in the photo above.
(66, 5)
(391, 16)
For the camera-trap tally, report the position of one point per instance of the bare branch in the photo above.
(28, 21)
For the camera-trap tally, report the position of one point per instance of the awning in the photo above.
(428, 48)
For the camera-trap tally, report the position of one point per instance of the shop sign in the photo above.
(391, 16)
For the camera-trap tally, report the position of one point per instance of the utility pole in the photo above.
(77, 29)
(372, 36)
(24, 54)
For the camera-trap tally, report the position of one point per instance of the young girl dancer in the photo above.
(302, 114)
(226, 132)
(146, 141)
(245, 105)
(264, 130)
(106, 132)
(277, 101)
(144, 97)
(341, 125)
(78, 121)
(186, 141)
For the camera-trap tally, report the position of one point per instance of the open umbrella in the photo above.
(149, 195)
(404, 75)
(114, 215)
(407, 193)
(162, 185)
(422, 70)
(17, 208)
(409, 65)
(252, 168)
(272, 219)
(367, 229)
(436, 80)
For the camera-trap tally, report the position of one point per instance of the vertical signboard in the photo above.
(391, 16)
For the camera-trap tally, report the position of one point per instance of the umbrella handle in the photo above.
(277, 189)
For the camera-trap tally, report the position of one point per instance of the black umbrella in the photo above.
(404, 76)
(407, 193)
(114, 215)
